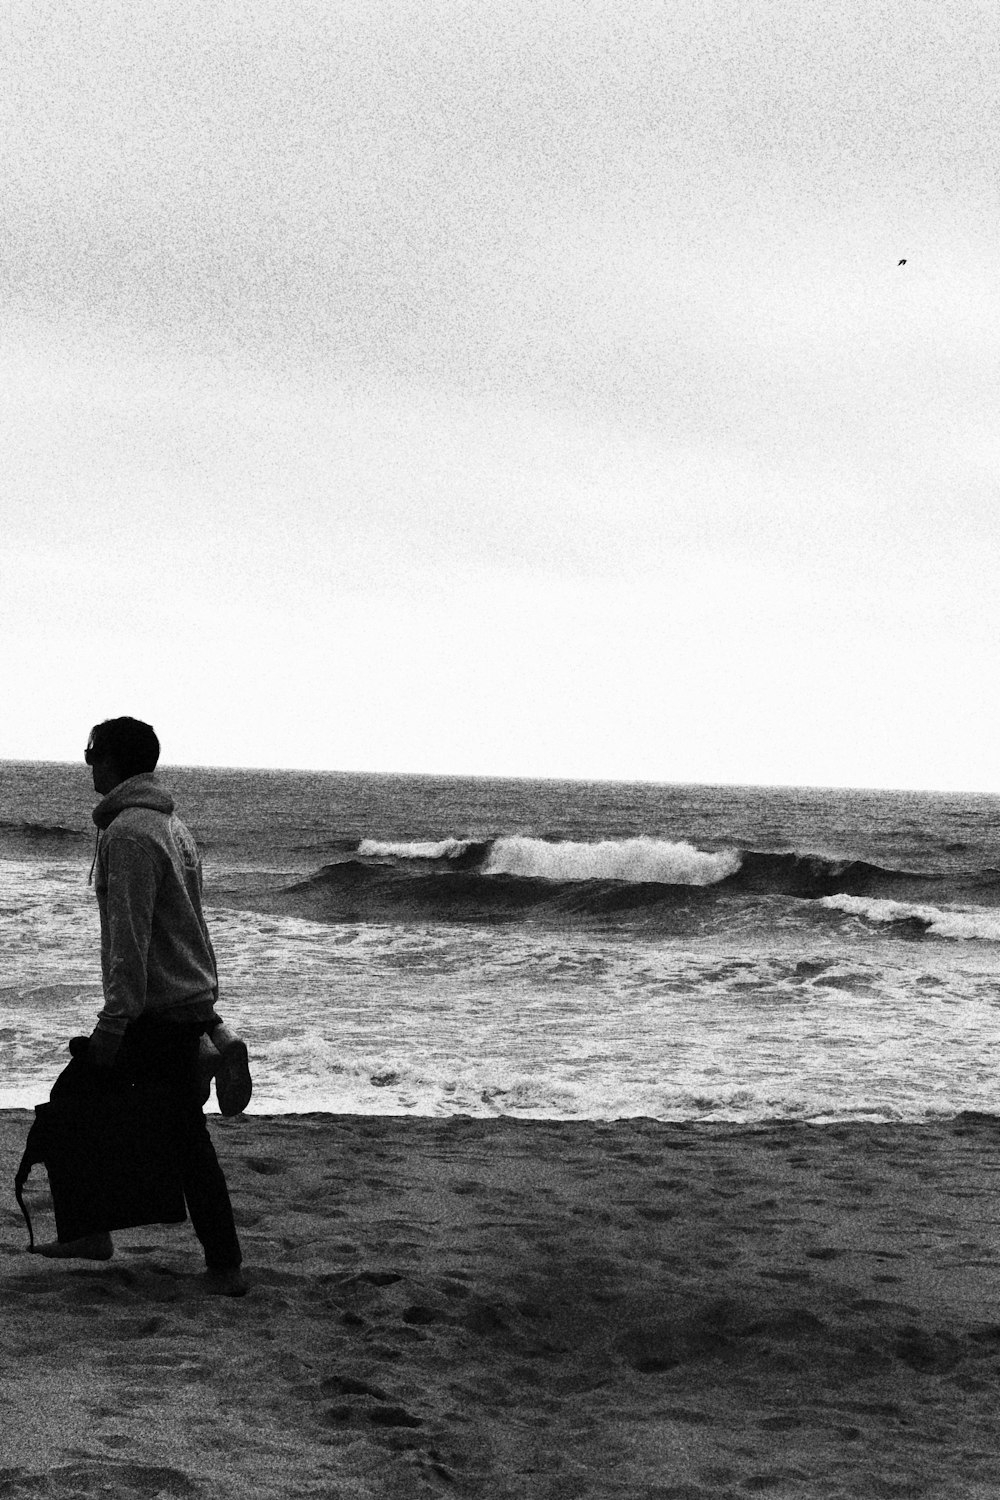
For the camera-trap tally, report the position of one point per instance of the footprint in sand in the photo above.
(419, 1313)
(385, 1413)
(350, 1385)
(110, 1480)
(142, 1328)
(393, 1416)
(265, 1166)
(188, 1369)
(925, 1351)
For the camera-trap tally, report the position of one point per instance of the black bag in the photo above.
(109, 1149)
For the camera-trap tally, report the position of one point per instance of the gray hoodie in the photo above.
(156, 954)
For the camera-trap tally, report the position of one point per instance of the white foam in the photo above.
(392, 1020)
(951, 922)
(439, 849)
(810, 1020)
(637, 859)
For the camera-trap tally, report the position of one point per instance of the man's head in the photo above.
(118, 749)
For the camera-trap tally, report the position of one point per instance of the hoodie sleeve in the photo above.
(131, 895)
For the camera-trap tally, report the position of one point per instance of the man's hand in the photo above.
(103, 1047)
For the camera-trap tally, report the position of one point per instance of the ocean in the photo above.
(545, 949)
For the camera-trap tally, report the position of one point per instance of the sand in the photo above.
(528, 1309)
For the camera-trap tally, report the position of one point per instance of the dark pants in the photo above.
(161, 1058)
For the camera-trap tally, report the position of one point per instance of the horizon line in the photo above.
(734, 785)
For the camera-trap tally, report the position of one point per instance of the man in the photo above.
(160, 984)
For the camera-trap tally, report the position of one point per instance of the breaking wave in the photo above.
(21, 838)
(27, 829)
(957, 923)
(635, 861)
(450, 849)
(640, 860)
(650, 883)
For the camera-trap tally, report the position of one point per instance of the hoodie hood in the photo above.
(138, 791)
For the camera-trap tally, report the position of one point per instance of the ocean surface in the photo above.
(434, 945)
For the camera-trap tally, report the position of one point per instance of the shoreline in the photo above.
(861, 1122)
(504, 1308)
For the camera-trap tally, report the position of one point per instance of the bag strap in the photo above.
(23, 1172)
(34, 1152)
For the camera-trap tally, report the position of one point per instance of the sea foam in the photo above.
(418, 849)
(975, 923)
(636, 859)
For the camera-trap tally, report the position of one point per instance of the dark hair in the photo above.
(130, 743)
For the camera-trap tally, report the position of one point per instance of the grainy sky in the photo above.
(505, 388)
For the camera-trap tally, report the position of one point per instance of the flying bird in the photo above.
(902, 262)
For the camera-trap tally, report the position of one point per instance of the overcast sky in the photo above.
(505, 388)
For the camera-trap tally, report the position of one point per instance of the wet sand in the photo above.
(528, 1309)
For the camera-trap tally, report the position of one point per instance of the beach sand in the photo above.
(528, 1309)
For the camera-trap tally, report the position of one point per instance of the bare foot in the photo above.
(90, 1247)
